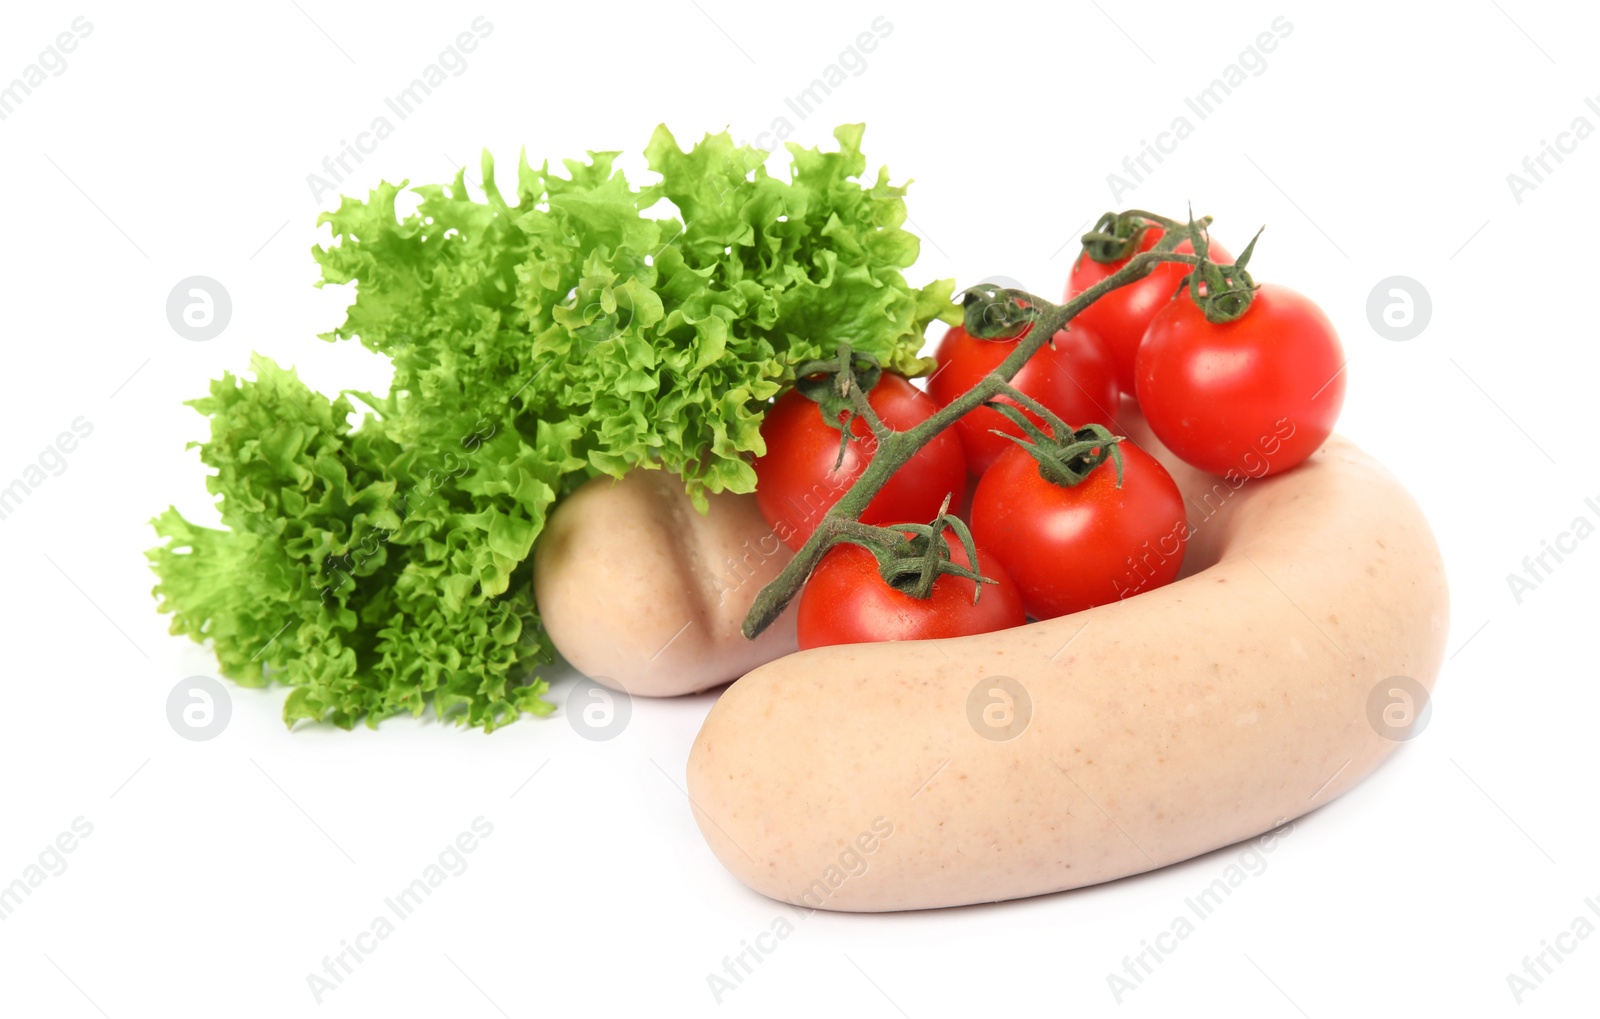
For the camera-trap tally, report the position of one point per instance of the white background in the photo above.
(1375, 143)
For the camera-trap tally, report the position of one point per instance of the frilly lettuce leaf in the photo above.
(589, 327)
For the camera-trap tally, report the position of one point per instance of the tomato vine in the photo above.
(990, 312)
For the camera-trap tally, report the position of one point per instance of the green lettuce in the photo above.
(590, 327)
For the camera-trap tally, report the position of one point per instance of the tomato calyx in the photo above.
(839, 386)
(1066, 455)
(993, 312)
(1223, 292)
(912, 556)
(1116, 235)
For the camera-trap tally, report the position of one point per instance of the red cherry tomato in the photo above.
(847, 601)
(1069, 549)
(1122, 315)
(1075, 380)
(1254, 396)
(795, 480)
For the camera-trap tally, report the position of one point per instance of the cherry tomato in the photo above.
(1075, 380)
(1254, 396)
(1073, 548)
(847, 601)
(1122, 315)
(795, 480)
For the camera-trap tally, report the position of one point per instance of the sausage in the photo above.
(1142, 732)
(642, 593)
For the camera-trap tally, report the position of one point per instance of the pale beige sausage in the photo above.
(1181, 720)
(641, 592)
